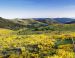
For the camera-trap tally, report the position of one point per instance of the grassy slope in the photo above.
(28, 44)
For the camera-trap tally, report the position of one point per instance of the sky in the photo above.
(37, 8)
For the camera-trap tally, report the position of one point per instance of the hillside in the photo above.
(64, 20)
(47, 20)
(16, 24)
(9, 24)
(36, 38)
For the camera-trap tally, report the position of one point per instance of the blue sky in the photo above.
(37, 8)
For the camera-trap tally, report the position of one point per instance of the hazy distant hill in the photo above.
(33, 22)
(55, 20)
(64, 20)
(47, 20)
(71, 22)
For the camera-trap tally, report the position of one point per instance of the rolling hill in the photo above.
(64, 20)
(56, 20)
(16, 24)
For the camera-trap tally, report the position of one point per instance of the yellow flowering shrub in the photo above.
(35, 45)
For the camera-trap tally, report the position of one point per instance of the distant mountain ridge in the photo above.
(64, 20)
(25, 23)
(57, 20)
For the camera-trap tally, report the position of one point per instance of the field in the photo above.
(53, 41)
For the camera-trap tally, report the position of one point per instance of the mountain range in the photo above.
(29, 22)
